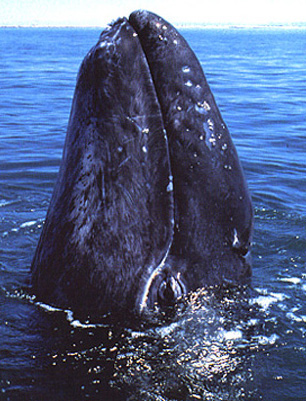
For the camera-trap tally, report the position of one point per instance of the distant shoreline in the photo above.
(293, 26)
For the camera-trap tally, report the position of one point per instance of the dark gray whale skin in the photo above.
(151, 201)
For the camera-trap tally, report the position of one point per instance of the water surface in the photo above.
(223, 346)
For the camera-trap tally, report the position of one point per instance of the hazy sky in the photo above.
(100, 12)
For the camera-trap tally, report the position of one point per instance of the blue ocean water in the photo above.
(218, 351)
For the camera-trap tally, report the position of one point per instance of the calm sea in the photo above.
(218, 349)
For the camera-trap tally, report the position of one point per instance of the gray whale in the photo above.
(151, 201)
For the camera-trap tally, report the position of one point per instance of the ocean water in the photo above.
(223, 346)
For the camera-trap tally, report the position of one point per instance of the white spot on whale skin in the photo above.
(144, 149)
(104, 44)
(210, 124)
(210, 139)
(108, 48)
(202, 108)
(170, 185)
(186, 69)
(206, 106)
(188, 83)
(236, 241)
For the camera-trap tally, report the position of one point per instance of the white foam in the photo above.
(165, 331)
(47, 307)
(28, 224)
(279, 296)
(75, 323)
(138, 334)
(252, 322)
(291, 280)
(291, 316)
(4, 202)
(265, 340)
(265, 301)
(230, 335)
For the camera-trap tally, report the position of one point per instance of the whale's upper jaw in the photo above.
(150, 181)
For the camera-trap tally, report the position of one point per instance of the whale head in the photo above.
(151, 201)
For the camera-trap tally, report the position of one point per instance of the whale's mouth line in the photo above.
(153, 273)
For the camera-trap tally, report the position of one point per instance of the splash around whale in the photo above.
(151, 201)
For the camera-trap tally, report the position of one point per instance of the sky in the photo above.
(100, 12)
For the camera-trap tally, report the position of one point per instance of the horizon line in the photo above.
(180, 25)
